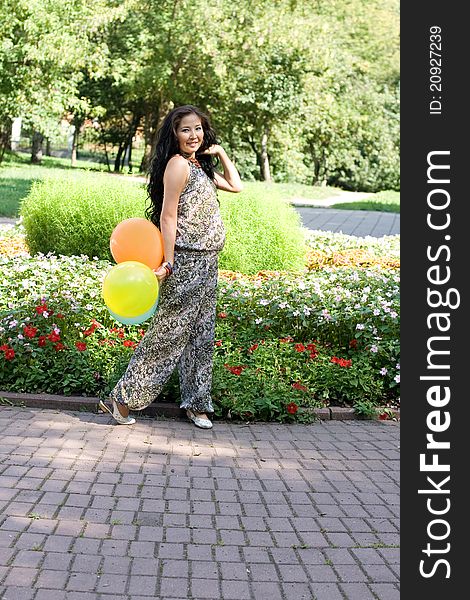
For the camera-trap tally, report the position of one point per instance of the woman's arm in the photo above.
(174, 179)
(230, 180)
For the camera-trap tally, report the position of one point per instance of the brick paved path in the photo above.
(93, 511)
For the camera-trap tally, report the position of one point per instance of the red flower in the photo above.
(292, 408)
(383, 416)
(234, 370)
(53, 337)
(94, 325)
(141, 332)
(42, 340)
(80, 346)
(9, 354)
(342, 362)
(253, 348)
(299, 347)
(353, 344)
(298, 386)
(41, 308)
(30, 331)
(129, 344)
(222, 315)
(59, 346)
(218, 343)
(4, 347)
(286, 339)
(59, 315)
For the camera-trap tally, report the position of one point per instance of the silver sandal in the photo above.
(202, 423)
(120, 419)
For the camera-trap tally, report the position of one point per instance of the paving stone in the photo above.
(205, 588)
(52, 579)
(317, 517)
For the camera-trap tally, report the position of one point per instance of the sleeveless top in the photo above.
(199, 223)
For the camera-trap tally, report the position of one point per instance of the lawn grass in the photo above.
(17, 175)
(386, 201)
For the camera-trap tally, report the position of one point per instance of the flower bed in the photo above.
(284, 342)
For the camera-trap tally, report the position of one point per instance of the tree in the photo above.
(46, 46)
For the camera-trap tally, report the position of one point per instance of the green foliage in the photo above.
(263, 232)
(77, 216)
(311, 90)
(365, 409)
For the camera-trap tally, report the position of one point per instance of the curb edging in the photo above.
(163, 409)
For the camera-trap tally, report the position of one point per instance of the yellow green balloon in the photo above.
(130, 289)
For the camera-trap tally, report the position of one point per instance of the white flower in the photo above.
(383, 371)
(258, 321)
(374, 348)
(20, 336)
(376, 312)
(359, 326)
(13, 323)
(264, 302)
(397, 378)
(397, 366)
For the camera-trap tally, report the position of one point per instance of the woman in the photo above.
(183, 193)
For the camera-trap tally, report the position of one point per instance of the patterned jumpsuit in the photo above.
(181, 333)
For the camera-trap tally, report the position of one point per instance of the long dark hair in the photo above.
(166, 147)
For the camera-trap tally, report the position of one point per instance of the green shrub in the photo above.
(77, 215)
(263, 232)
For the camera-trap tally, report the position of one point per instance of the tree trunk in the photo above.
(129, 158)
(76, 132)
(4, 137)
(117, 160)
(265, 170)
(36, 150)
(48, 147)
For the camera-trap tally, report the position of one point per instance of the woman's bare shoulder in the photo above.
(177, 161)
(177, 170)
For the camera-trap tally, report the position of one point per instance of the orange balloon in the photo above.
(139, 240)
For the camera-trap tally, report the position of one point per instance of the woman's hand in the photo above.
(213, 150)
(161, 273)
